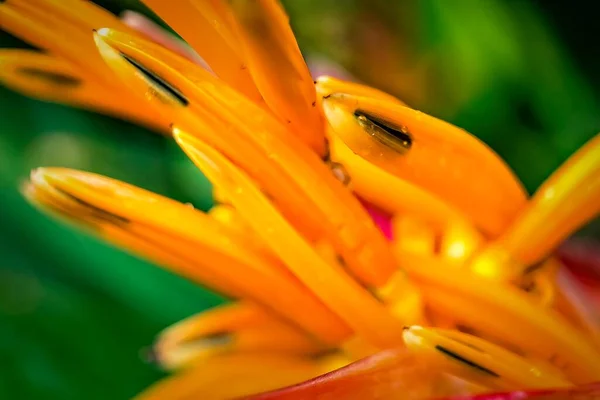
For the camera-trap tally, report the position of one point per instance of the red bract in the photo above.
(588, 392)
(395, 373)
(582, 256)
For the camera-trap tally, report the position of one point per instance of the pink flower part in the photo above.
(585, 392)
(390, 374)
(400, 374)
(582, 256)
(381, 219)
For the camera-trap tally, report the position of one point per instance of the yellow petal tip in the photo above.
(102, 32)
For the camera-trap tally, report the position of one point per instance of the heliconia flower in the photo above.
(465, 298)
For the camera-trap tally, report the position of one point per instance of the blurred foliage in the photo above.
(75, 313)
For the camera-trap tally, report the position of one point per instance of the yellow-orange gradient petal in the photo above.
(197, 22)
(430, 153)
(185, 240)
(302, 186)
(52, 79)
(46, 28)
(328, 85)
(63, 31)
(230, 376)
(481, 362)
(241, 327)
(391, 193)
(338, 290)
(278, 68)
(506, 314)
(568, 199)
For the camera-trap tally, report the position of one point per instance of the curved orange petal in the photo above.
(302, 186)
(566, 201)
(53, 79)
(241, 327)
(205, 34)
(278, 68)
(229, 376)
(334, 286)
(429, 153)
(185, 240)
(496, 308)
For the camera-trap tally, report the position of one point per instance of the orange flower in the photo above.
(464, 298)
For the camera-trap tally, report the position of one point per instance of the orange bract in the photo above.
(430, 153)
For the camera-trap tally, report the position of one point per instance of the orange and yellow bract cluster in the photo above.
(466, 291)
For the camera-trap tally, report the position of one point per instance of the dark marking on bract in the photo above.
(319, 355)
(470, 363)
(400, 134)
(327, 156)
(97, 211)
(534, 267)
(218, 338)
(54, 78)
(158, 81)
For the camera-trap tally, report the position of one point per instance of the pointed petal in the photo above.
(381, 188)
(481, 362)
(239, 327)
(302, 186)
(328, 85)
(568, 199)
(155, 32)
(147, 87)
(63, 30)
(278, 68)
(230, 376)
(45, 27)
(83, 14)
(51, 79)
(495, 309)
(190, 242)
(198, 24)
(355, 305)
(430, 153)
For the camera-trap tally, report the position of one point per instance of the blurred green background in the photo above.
(75, 314)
